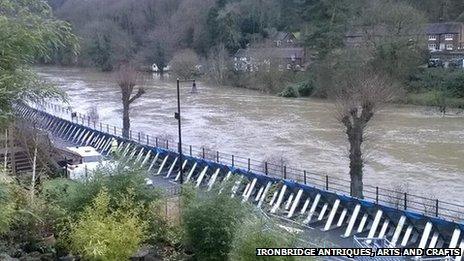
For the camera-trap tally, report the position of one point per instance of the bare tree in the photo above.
(218, 64)
(127, 78)
(184, 64)
(358, 98)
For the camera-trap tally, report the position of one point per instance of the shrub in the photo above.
(259, 233)
(305, 88)
(290, 92)
(210, 221)
(6, 208)
(75, 196)
(445, 80)
(103, 233)
(300, 89)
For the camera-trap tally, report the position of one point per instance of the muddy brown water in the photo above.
(407, 146)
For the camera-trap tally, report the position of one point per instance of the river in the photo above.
(409, 146)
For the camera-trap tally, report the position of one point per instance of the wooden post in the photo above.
(304, 176)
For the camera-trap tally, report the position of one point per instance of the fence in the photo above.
(389, 197)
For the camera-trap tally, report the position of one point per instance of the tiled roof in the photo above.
(283, 53)
(443, 28)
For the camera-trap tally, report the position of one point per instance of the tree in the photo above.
(127, 78)
(218, 64)
(184, 64)
(28, 31)
(393, 32)
(329, 20)
(359, 95)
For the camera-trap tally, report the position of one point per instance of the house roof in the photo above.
(279, 35)
(443, 28)
(283, 53)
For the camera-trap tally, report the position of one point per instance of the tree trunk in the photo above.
(355, 137)
(125, 119)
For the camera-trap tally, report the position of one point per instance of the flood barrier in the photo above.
(305, 203)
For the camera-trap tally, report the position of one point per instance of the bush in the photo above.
(305, 88)
(210, 221)
(6, 209)
(102, 233)
(260, 233)
(301, 89)
(290, 92)
(75, 196)
(445, 80)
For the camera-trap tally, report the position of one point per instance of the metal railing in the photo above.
(384, 196)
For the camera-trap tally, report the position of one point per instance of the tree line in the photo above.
(147, 31)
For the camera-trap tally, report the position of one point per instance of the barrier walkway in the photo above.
(305, 204)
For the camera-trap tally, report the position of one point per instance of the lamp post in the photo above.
(177, 116)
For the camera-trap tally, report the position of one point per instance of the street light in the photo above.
(178, 117)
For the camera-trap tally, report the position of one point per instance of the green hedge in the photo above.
(300, 89)
(444, 80)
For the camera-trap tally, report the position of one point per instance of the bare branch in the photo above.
(139, 93)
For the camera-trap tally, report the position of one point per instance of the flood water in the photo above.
(408, 146)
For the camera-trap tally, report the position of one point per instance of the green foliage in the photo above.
(210, 221)
(401, 48)
(104, 233)
(75, 196)
(290, 92)
(25, 221)
(434, 98)
(28, 31)
(6, 209)
(445, 80)
(300, 89)
(258, 232)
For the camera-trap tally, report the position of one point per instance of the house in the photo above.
(283, 39)
(252, 59)
(447, 37)
(441, 37)
(361, 36)
(280, 50)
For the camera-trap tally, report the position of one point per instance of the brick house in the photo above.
(287, 58)
(280, 50)
(448, 36)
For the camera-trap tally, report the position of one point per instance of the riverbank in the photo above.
(407, 144)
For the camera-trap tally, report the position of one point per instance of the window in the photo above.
(432, 47)
(432, 37)
(448, 37)
(279, 43)
(449, 47)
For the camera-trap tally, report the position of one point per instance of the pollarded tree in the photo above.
(127, 78)
(360, 94)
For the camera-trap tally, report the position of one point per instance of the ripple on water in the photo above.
(405, 145)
